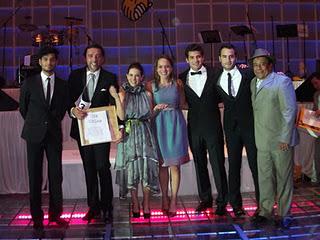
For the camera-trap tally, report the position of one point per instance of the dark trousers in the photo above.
(236, 140)
(35, 152)
(95, 159)
(201, 145)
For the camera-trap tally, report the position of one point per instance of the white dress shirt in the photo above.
(44, 78)
(196, 82)
(235, 80)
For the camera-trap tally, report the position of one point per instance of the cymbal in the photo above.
(27, 27)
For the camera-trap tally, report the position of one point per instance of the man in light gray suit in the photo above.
(275, 109)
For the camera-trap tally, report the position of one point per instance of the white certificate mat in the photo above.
(99, 126)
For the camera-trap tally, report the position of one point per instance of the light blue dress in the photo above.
(137, 155)
(170, 126)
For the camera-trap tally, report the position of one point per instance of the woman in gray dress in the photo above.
(137, 153)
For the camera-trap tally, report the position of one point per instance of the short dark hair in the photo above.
(136, 65)
(47, 50)
(315, 75)
(228, 46)
(94, 45)
(193, 47)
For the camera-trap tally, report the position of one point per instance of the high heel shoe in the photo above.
(172, 214)
(173, 209)
(135, 214)
(165, 207)
(146, 215)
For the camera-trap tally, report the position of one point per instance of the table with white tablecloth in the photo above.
(13, 162)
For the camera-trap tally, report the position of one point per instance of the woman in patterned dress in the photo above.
(137, 154)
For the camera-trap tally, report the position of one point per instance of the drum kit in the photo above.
(49, 37)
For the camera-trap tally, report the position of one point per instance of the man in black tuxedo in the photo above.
(234, 89)
(43, 106)
(204, 128)
(95, 158)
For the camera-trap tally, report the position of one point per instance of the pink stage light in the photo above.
(75, 215)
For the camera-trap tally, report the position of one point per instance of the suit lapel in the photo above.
(265, 82)
(40, 89)
(99, 85)
(242, 82)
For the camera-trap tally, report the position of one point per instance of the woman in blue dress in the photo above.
(170, 128)
(137, 154)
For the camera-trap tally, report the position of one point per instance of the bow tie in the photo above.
(194, 73)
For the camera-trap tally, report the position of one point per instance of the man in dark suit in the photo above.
(43, 106)
(234, 89)
(95, 158)
(204, 129)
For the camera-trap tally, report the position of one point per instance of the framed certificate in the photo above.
(308, 120)
(99, 126)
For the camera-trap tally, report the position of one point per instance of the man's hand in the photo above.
(317, 113)
(79, 113)
(284, 146)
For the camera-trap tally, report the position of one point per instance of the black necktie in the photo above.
(229, 85)
(194, 73)
(48, 92)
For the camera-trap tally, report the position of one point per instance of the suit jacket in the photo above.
(238, 110)
(275, 109)
(39, 117)
(203, 112)
(101, 96)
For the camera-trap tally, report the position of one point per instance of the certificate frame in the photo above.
(112, 123)
(302, 124)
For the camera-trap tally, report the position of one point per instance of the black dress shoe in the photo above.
(259, 220)
(108, 216)
(59, 221)
(38, 225)
(221, 211)
(239, 211)
(283, 222)
(91, 214)
(203, 206)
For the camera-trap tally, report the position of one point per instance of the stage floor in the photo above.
(15, 220)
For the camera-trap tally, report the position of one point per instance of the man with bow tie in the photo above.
(204, 129)
(43, 106)
(234, 89)
(92, 84)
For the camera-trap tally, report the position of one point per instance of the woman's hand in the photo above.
(113, 92)
(160, 106)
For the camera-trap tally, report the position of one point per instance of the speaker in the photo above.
(317, 65)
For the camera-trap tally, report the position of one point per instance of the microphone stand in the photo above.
(165, 38)
(4, 27)
(252, 32)
(273, 45)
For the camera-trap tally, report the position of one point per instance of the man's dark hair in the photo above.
(193, 47)
(94, 45)
(48, 50)
(314, 75)
(228, 46)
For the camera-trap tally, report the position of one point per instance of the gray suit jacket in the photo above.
(275, 109)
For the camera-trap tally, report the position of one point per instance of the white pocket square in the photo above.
(103, 90)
